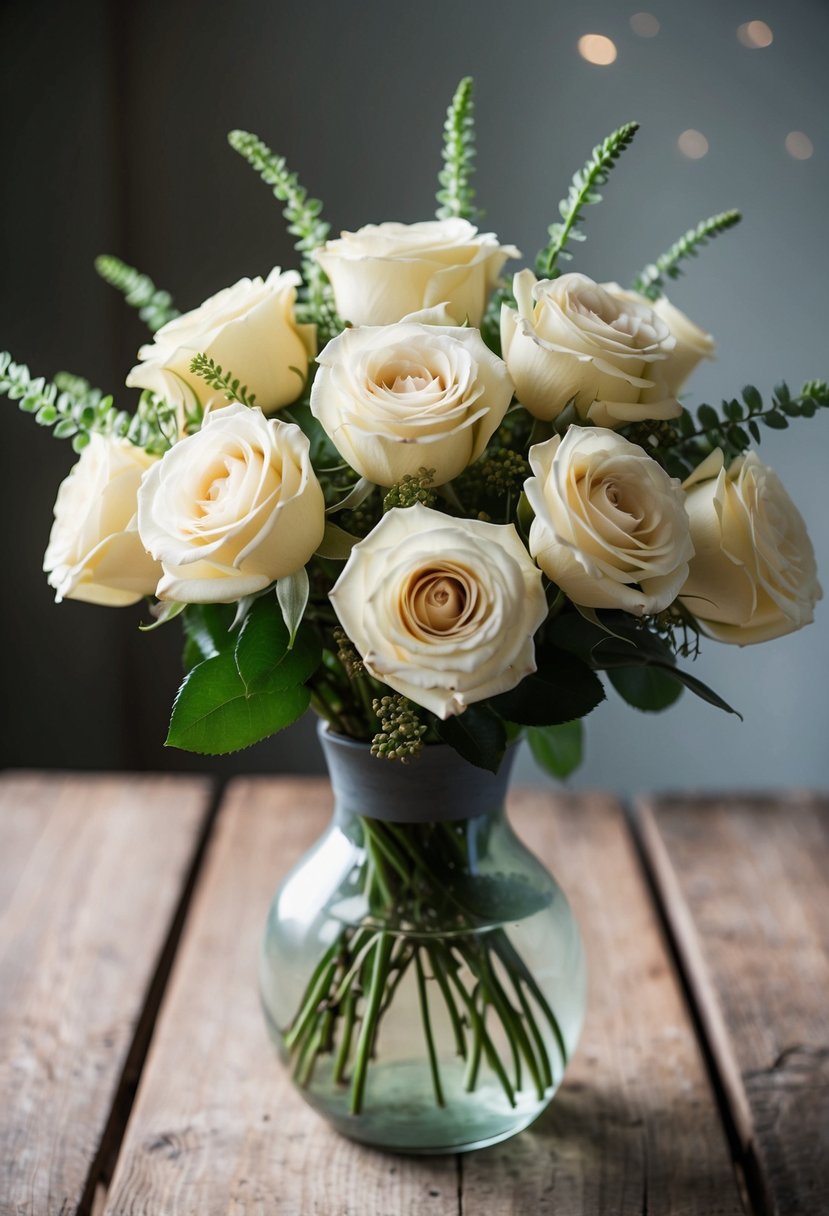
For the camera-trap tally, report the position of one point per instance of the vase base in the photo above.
(400, 1114)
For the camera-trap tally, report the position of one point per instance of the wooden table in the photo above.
(135, 1075)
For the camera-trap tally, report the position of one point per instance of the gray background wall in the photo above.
(114, 118)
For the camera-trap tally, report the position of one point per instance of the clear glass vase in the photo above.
(422, 974)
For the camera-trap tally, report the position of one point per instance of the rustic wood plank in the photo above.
(744, 885)
(217, 1126)
(91, 872)
(635, 1128)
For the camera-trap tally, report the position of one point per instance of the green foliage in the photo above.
(250, 685)
(478, 734)
(684, 442)
(583, 191)
(456, 194)
(77, 410)
(292, 593)
(559, 750)
(155, 307)
(304, 222)
(648, 688)
(650, 282)
(223, 382)
(618, 640)
(563, 688)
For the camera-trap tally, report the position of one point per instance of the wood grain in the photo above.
(91, 872)
(634, 1128)
(216, 1126)
(745, 888)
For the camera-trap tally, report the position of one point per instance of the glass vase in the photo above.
(422, 974)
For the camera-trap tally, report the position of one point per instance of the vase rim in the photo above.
(438, 786)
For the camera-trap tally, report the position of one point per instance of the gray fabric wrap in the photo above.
(439, 785)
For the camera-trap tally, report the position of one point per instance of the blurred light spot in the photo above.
(755, 34)
(595, 48)
(692, 144)
(645, 25)
(799, 145)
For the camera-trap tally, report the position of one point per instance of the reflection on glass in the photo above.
(595, 48)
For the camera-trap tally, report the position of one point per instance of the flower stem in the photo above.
(427, 1029)
(379, 972)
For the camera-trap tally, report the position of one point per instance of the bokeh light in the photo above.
(598, 49)
(755, 35)
(692, 144)
(645, 25)
(799, 145)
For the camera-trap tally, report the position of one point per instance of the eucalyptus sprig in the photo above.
(583, 191)
(76, 411)
(223, 382)
(650, 282)
(304, 222)
(155, 307)
(456, 194)
(683, 442)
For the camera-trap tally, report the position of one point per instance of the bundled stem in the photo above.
(418, 924)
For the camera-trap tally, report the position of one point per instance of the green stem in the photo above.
(474, 1061)
(379, 972)
(451, 1006)
(427, 1029)
(344, 1050)
(319, 984)
(514, 963)
(513, 1027)
(480, 1031)
(541, 1048)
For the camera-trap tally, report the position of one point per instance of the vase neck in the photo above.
(436, 787)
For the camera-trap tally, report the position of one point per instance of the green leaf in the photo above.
(215, 713)
(563, 688)
(336, 544)
(163, 613)
(263, 655)
(646, 687)
(557, 749)
(498, 898)
(208, 627)
(478, 734)
(650, 282)
(292, 595)
(456, 194)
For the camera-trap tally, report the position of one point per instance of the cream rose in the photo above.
(232, 508)
(395, 398)
(570, 339)
(754, 575)
(94, 552)
(442, 610)
(610, 526)
(692, 343)
(248, 329)
(383, 272)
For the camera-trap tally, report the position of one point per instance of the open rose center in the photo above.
(439, 601)
(407, 380)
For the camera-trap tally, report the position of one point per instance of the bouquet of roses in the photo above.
(433, 504)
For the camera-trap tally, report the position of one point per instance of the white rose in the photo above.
(396, 398)
(754, 576)
(248, 329)
(443, 610)
(383, 272)
(232, 508)
(94, 552)
(692, 343)
(570, 339)
(610, 526)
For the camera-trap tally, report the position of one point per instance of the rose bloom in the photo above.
(570, 339)
(232, 508)
(754, 575)
(383, 272)
(94, 552)
(692, 343)
(442, 610)
(610, 526)
(396, 398)
(249, 330)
